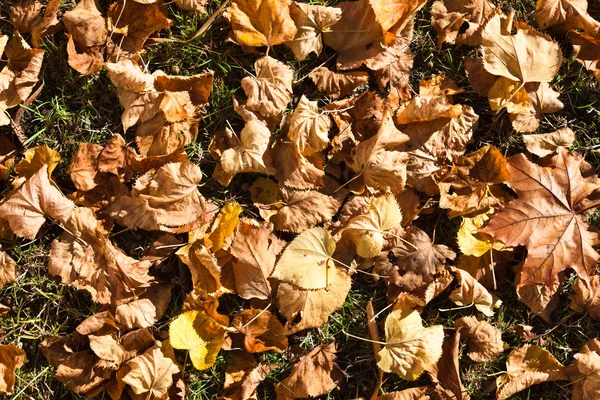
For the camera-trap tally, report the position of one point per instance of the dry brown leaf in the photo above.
(146, 308)
(84, 166)
(261, 331)
(19, 75)
(7, 156)
(584, 372)
(564, 15)
(292, 169)
(315, 374)
(473, 184)
(270, 91)
(258, 23)
(38, 198)
(311, 21)
(242, 377)
(527, 366)
(471, 292)
(445, 374)
(338, 84)
(163, 199)
(484, 340)
(585, 47)
(25, 18)
(547, 218)
(410, 348)
(417, 393)
(198, 6)
(133, 23)
(11, 358)
(203, 265)
(460, 22)
(34, 159)
(544, 100)
(545, 144)
(254, 252)
(308, 128)
(8, 268)
(314, 306)
(244, 154)
(151, 374)
(304, 209)
(586, 297)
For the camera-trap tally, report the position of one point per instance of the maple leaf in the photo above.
(27, 209)
(87, 33)
(244, 154)
(261, 331)
(547, 218)
(198, 333)
(313, 305)
(151, 374)
(270, 91)
(564, 15)
(242, 377)
(19, 75)
(258, 23)
(254, 252)
(584, 373)
(585, 47)
(25, 18)
(166, 198)
(308, 128)
(460, 22)
(545, 144)
(527, 366)
(311, 21)
(366, 230)
(11, 358)
(586, 297)
(315, 374)
(484, 340)
(410, 348)
(338, 84)
(307, 261)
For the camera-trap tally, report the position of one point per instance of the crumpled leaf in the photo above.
(25, 18)
(367, 230)
(258, 23)
(11, 358)
(261, 331)
(38, 198)
(151, 374)
(484, 340)
(242, 377)
(307, 261)
(545, 144)
(546, 218)
(270, 91)
(315, 374)
(34, 159)
(338, 84)
(471, 292)
(584, 371)
(525, 367)
(460, 22)
(198, 333)
(410, 348)
(311, 21)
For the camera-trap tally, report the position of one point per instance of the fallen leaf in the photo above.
(151, 374)
(34, 159)
(337, 84)
(258, 23)
(270, 91)
(198, 6)
(261, 330)
(546, 218)
(585, 47)
(308, 128)
(203, 265)
(242, 377)
(307, 263)
(8, 268)
(525, 367)
(27, 209)
(445, 374)
(146, 308)
(311, 21)
(484, 340)
(25, 18)
(410, 348)
(254, 252)
(417, 393)
(84, 166)
(460, 22)
(224, 225)
(471, 292)
(11, 358)
(586, 297)
(545, 144)
(564, 15)
(367, 230)
(314, 375)
(198, 333)
(304, 209)
(584, 373)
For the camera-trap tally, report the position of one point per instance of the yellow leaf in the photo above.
(509, 94)
(472, 245)
(198, 333)
(258, 23)
(223, 227)
(35, 159)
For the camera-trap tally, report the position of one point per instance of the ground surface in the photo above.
(74, 108)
